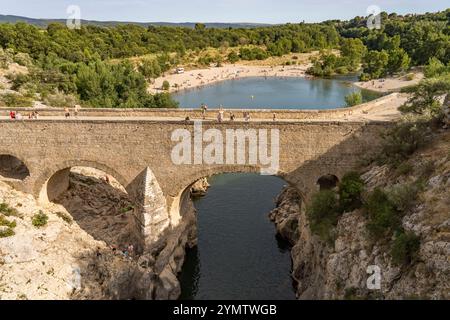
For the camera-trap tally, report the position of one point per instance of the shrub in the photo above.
(404, 169)
(403, 196)
(382, 215)
(6, 223)
(410, 77)
(64, 217)
(23, 59)
(40, 219)
(8, 211)
(233, 57)
(127, 209)
(353, 99)
(60, 100)
(323, 214)
(405, 248)
(14, 100)
(8, 232)
(402, 141)
(166, 85)
(350, 189)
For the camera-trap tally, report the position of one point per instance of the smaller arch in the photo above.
(55, 181)
(328, 182)
(11, 167)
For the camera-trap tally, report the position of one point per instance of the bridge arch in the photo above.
(328, 182)
(13, 167)
(181, 189)
(53, 181)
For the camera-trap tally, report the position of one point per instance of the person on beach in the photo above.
(274, 117)
(232, 117)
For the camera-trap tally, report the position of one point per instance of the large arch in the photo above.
(55, 180)
(176, 198)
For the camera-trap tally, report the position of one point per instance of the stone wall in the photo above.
(212, 114)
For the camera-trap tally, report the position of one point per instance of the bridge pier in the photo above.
(151, 211)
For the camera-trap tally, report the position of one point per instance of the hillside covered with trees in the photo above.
(79, 63)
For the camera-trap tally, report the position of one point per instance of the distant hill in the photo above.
(45, 22)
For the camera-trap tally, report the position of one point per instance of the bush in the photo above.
(6, 223)
(13, 100)
(353, 99)
(8, 211)
(350, 189)
(402, 141)
(323, 214)
(8, 232)
(404, 169)
(233, 57)
(40, 219)
(64, 217)
(23, 59)
(166, 85)
(382, 215)
(60, 100)
(405, 248)
(403, 196)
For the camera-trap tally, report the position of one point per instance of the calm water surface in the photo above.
(274, 93)
(238, 254)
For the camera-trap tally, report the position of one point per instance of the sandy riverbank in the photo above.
(390, 84)
(203, 77)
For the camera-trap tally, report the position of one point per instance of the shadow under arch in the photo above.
(13, 167)
(328, 182)
(55, 180)
(97, 201)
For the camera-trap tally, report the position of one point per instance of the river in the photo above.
(239, 255)
(274, 93)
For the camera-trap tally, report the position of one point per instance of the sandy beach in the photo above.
(390, 84)
(202, 77)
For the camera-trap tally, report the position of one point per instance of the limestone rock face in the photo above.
(285, 215)
(200, 188)
(340, 270)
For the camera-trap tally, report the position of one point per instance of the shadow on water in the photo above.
(239, 255)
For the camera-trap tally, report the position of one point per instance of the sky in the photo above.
(261, 11)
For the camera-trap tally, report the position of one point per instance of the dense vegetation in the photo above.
(68, 65)
(402, 42)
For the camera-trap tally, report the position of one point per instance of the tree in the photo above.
(435, 68)
(166, 85)
(375, 63)
(425, 98)
(353, 99)
(354, 50)
(398, 61)
(233, 57)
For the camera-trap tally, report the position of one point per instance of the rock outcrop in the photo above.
(200, 188)
(341, 270)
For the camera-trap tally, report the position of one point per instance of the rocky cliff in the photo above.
(340, 270)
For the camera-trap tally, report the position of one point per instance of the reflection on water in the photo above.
(239, 255)
(274, 93)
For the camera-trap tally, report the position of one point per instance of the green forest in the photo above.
(77, 65)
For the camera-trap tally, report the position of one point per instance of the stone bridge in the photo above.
(137, 153)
